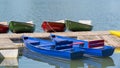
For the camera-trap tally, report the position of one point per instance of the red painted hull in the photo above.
(4, 28)
(53, 26)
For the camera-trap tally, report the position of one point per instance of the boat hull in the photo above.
(53, 26)
(65, 53)
(99, 52)
(102, 52)
(75, 26)
(116, 33)
(21, 27)
(4, 28)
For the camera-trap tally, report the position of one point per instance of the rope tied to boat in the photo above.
(50, 27)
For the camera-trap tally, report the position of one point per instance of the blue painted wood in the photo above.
(89, 47)
(50, 48)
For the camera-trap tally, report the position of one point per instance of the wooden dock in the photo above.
(6, 41)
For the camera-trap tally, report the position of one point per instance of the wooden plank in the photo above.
(4, 35)
(46, 35)
(109, 39)
(112, 40)
(85, 35)
(19, 44)
(9, 53)
(89, 37)
(7, 44)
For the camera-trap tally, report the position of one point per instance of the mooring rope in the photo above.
(51, 27)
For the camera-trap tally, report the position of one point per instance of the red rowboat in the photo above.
(3, 27)
(53, 26)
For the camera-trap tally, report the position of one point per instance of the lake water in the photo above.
(105, 15)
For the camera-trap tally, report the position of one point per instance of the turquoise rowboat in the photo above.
(21, 27)
(76, 26)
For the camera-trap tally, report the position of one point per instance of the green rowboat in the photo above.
(21, 27)
(76, 26)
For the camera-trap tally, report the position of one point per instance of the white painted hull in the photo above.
(88, 22)
(31, 22)
(61, 21)
(4, 23)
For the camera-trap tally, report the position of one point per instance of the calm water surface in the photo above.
(34, 60)
(105, 15)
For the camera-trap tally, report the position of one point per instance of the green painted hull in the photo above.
(21, 27)
(75, 26)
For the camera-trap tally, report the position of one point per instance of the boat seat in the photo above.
(62, 47)
(95, 43)
(25, 38)
(59, 41)
(33, 42)
(63, 42)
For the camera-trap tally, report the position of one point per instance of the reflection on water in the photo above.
(85, 62)
(92, 62)
(58, 63)
(9, 63)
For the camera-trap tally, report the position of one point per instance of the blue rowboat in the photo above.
(50, 48)
(95, 48)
